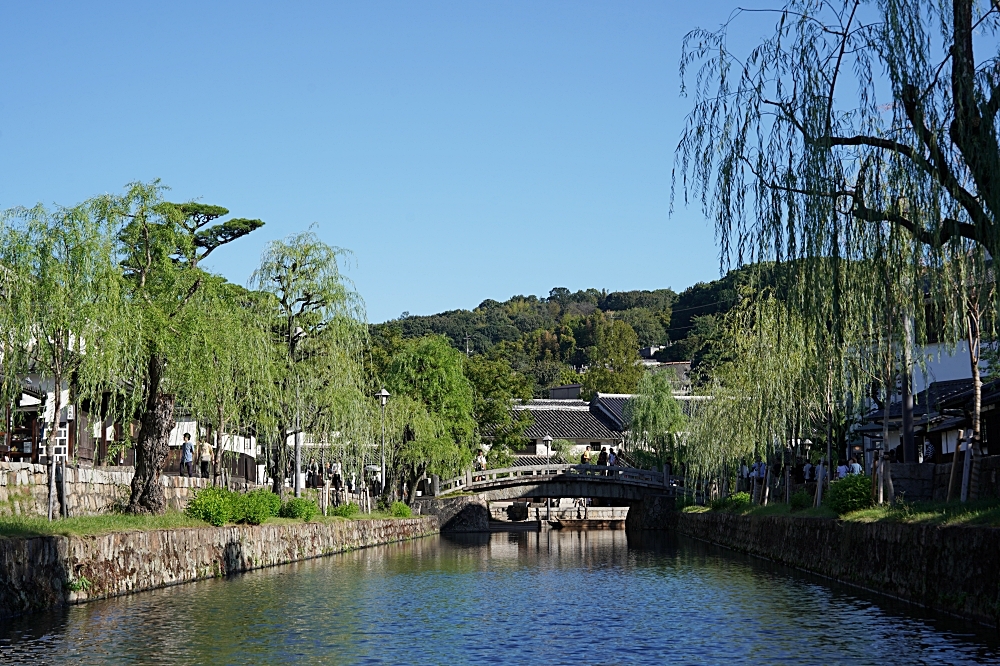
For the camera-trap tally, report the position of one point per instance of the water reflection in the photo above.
(528, 597)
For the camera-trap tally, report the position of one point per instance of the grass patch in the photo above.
(979, 513)
(18, 526)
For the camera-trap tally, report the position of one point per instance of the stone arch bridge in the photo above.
(649, 493)
(561, 480)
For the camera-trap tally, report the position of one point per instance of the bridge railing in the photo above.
(472, 481)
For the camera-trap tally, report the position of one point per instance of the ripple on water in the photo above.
(553, 598)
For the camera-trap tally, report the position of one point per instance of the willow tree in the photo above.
(861, 133)
(654, 416)
(433, 430)
(159, 245)
(230, 364)
(319, 336)
(71, 305)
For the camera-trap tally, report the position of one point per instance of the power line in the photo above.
(703, 305)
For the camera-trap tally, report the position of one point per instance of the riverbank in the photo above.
(949, 568)
(40, 572)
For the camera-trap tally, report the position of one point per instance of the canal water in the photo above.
(555, 597)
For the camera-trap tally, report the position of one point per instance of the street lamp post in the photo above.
(383, 397)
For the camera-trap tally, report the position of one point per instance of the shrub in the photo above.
(850, 494)
(734, 501)
(739, 500)
(299, 507)
(400, 510)
(256, 506)
(213, 505)
(801, 500)
(348, 510)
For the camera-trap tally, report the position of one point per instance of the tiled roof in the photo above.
(527, 461)
(936, 396)
(553, 403)
(611, 406)
(571, 422)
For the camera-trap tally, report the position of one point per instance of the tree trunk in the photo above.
(50, 439)
(153, 444)
(973, 447)
(413, 486)
(217, 461)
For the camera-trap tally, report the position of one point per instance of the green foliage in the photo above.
(429, 420)
(494, 385)
(801, 500)
(299, 508)
(213, 505)
(541, 340)
(400, 510)
(63, 286)
(255, 507)
(80, 584)
(348, 510)
(850, 494)
(219, 506)
(647, 326)
(614, 361)
(562, 446)
(499, 457)
(318, 341)
(733, 502)
(877, 216)
(654, 416)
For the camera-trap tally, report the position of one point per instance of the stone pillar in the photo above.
(435, 485)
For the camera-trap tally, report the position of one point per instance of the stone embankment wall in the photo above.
(465, 513)
(89, 491)
(954, 569)
(43, 572)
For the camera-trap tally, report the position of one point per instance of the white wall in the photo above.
(943, 363)
(182, 426)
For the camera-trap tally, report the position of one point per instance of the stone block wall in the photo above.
(915, 481)
(926, 481)
(466, 513)
(42, 572)
(89, 491)
(954, 569)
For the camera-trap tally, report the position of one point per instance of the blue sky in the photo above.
(462, 151)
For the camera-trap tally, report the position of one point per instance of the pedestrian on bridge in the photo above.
(585, 458)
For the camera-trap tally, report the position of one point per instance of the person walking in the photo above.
(602, 459)
(855, 468)
(205, 457)
(313, 481)
(842, 470)
(585, 458)
(480, 464)
(187, 455)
